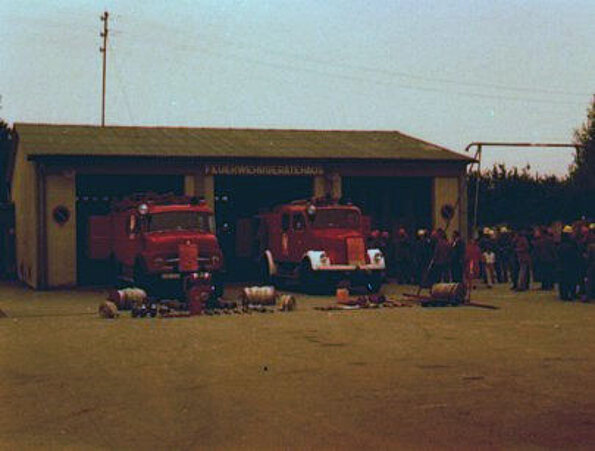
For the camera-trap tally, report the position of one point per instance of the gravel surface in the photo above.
(519, 377)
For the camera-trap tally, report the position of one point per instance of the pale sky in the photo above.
(449, 72)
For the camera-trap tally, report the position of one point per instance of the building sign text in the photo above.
(247, 169)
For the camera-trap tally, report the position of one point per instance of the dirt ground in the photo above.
(520, 377)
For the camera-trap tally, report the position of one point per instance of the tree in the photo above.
(6, 142)
(518, 198)
(582, 172)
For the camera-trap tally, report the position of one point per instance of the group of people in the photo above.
(496, 255)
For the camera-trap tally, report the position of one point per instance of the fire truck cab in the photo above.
(152, 238)
(319, 243)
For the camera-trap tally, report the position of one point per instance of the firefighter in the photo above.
(472, 261)
(402, 257)
(544, 250)
(536, 240)
(488, 257)
(582, 238)
(522, 251)
(487, 244)
(441, 258)
(457, 257)
(569, 262)
(590, 292)
(422, 255)
(504, 255)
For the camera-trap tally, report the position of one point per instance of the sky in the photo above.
(448, 72)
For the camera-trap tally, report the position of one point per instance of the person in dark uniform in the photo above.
(402, 257)
(457, 257)
(441, 259)
(422, 253)
(504, 255)
(569, 262)
(522, 251)
(545, 250)
(590, 292)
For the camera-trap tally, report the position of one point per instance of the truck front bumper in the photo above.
(350, 268)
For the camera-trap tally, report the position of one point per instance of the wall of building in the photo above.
(318, 186)
(446, 191)
(200, 185)
(24, 193)
(57, 252)
(60, 191)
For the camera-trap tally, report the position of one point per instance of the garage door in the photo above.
(392, 201)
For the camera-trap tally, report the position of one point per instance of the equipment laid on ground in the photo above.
(317, 243)
(259, 295)
(108, 310)
(287, 303)
(363, 302)
(446, 295)
(126, 298)
(154, 240)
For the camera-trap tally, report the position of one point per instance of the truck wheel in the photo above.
(218, 285)
(265, 276)
(309, 280)
(115, 271)
(374, 284)
(141, 278)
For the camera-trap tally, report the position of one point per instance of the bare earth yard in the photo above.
(522, 376)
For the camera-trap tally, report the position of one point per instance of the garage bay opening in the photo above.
(95, 192)
(237, 200)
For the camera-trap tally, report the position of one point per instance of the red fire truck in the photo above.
(152, 238)
(318, 243)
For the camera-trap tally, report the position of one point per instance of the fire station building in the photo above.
(63, 174)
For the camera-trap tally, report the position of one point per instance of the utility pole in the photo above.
(103, 50)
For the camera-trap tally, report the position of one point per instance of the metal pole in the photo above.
(477, 185)
(103, 50)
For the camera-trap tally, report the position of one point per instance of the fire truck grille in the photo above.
(188, 254)
(356, 251)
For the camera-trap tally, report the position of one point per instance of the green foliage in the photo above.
(6, 142)
(519, 198)
(582, 173)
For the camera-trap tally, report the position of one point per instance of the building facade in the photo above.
(63, 174)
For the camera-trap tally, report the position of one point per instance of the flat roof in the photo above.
(45, 140)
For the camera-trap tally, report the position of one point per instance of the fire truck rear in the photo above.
(319, 243)
(152, 239)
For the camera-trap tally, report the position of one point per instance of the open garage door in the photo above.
(392, 202)
(95, 193)
(241, 197)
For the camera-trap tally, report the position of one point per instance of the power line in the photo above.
(392, 73)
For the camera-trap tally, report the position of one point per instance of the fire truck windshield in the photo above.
(329, 218)
(181, 220)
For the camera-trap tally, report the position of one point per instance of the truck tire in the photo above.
(374, 283)
(310, 281)
(115, 272)
(218, 285)
(265, 277)
(141, 278)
